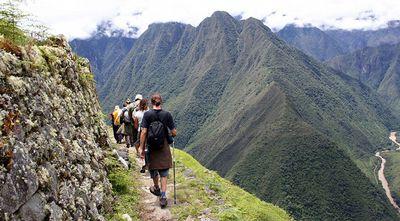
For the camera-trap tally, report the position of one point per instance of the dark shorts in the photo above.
(162, 173)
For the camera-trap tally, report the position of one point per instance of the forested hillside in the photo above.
(312, 41)
(263, 114)
(104, 53)
(377, 67)
(326, 44)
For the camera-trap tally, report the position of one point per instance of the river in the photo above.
(381, 172)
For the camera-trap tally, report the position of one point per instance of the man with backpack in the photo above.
(126, 118)
(155, 126)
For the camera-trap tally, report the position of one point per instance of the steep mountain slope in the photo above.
(104, 54)
(201, 194)
(359, 39)
(312, 41)
(378, 67)
(264, 114)
(324, 45)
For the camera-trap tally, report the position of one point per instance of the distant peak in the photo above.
(256, 23)
(393, 23)
(219, 17)
(221, 14)
(253, 20)
(290, 26)
(167, 24)
(107, 28)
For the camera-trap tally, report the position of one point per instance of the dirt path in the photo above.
(381, 173)
(392, 137)
(150, 203)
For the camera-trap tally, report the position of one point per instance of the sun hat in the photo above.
(138, 97)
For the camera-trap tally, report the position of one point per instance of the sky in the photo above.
(79, 18)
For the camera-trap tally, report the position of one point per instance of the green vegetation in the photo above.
(377, 67)
(326, 44)
(104, 54)
(201, 190)
(11, 18)
(312, 41)
(262, 114)
(18, 27)
(125, 188)
(86, 77)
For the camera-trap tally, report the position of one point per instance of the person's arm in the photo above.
(171, 125)
(135, 122)
(143, 136)
(173, 132)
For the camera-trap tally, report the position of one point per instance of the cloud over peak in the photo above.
(79, 19)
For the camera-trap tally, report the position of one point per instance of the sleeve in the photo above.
(170, 122)
(145, 120)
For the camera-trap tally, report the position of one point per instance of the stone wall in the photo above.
(52, 136)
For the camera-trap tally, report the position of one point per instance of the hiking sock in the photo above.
(163, 195)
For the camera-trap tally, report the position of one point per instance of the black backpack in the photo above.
(156, 133)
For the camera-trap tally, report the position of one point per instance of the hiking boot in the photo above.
(155, 191)
(163, 202)
(143, 170)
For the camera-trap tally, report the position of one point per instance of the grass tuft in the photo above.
(125, 188)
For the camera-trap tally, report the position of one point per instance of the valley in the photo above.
(381, 172)
(290, 121)
(234, 87)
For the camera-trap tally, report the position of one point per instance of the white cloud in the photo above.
(78, 18)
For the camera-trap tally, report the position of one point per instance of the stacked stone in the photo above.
(52, 136)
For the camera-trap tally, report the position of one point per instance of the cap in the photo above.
(138, 97)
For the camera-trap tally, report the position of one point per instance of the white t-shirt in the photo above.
(139, 116)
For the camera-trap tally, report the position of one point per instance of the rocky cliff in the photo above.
(52, 137)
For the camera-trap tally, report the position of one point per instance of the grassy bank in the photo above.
(203, 193)
(125, 186)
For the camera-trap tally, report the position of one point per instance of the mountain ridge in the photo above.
(215, 76)
(377, 67)
(326, 44)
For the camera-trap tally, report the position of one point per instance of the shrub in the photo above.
(10, 19)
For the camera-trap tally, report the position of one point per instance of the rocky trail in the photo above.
(381, 172)
(149, 203)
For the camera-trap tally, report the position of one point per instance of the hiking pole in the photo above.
(173, 156)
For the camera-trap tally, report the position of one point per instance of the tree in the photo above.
(11, 18)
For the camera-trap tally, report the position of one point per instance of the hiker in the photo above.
(116, 123)
(155, 124)
(142, 108)
(128, 122)
(138, 98)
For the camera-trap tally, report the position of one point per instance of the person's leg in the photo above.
(132, 140)
(164, 186)
(127, 140)
(120, 137)
(164, 177)
(163, 200)
(137, 143)
(156, 182)
(137, 148)
(115, 129)
(156, 188)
